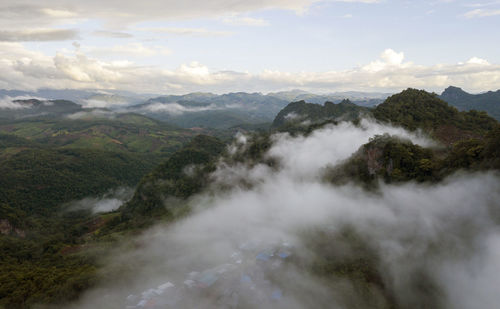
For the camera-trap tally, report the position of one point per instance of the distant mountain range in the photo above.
(107, 97)
(16, 109)
(360, 98)
(210, 110)
(190, 110)
(226, 110)
(488, 102)
(207, 109)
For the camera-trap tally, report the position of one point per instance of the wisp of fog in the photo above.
(107, 202)
(277, 240)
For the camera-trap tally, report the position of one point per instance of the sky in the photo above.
(174, 47)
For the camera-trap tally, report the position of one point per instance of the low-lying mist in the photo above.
(283, 238)
(107, 202)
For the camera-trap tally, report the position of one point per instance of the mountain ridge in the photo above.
(464, 101)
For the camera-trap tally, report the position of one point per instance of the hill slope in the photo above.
(488, 102)
(106, 131)
(417, 109)
(300, 112)
(212, 111)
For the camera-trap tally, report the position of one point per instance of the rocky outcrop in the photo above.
(6, 228)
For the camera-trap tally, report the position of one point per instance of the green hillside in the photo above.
(417, 109)
(120, 132)
(183, 174)
(301, 112)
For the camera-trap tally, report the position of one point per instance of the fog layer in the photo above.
(276, 239)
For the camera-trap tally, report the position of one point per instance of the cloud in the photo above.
(199, 32)
(93, 114)
(245, 21)
(83, 69)
(484, 4)
(109, 201)
(112, 34)
(441, 236)
(57, 11)
(478, 61)
(128, 50)
(25, 69)
(389, 58)
(26, 13)
(7, 102)
(176, 108)
(38, 35)
(477, 13)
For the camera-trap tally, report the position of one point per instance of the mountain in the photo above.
(17, 109)
(52, 161)
(413, 109)
(367, 99)
(394, 159)
(183, 174)
(49, 164)
(298, 113)
(212, 111)
(106, 100)
(472, 139)
(88, 98)
(37, 180)
(101, 130)
(488, 102)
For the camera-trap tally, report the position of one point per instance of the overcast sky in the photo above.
(172, 46)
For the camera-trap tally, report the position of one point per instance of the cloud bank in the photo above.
(7, 102)
(250, 245)
(122, 13)
(25, 69)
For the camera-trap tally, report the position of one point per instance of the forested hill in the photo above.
(307, 113)
(488, 101)
(179, 177)
(33, 107)
(417, 109)
(105, 131)
(212, 111)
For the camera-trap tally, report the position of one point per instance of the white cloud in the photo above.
(25, 69)
(15, 12)
(7, 102)
(110, 201)
(38, 35)
(476, 60)
(112, 34)
(128, 50)
(83, 69)
(245, 21)
(117, 14)
(201, 32)
(389, 58)
(177, 109)
(481, 13)
(58, 13)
